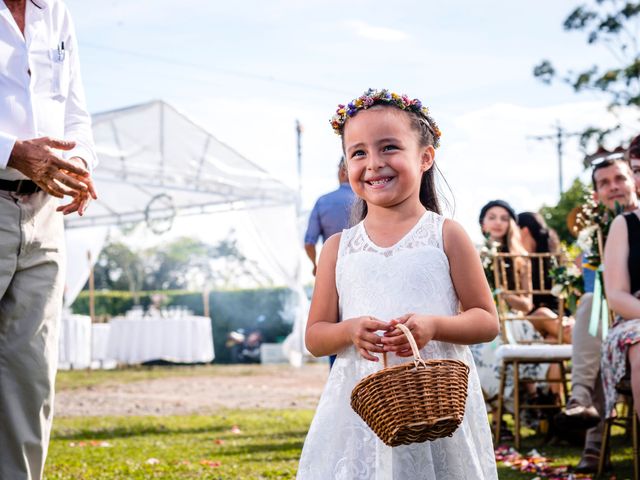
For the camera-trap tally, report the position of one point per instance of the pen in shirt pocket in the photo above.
(61, 52)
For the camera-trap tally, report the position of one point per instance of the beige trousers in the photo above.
(586, 385)
(31, 288)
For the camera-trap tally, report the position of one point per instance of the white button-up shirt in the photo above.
(41, 92)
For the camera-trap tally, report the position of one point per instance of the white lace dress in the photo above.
(411, 276)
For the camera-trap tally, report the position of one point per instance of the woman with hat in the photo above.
(498, 223)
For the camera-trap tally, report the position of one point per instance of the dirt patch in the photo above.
(277, 386)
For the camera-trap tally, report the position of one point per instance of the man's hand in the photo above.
(58, 177)
(81, 201)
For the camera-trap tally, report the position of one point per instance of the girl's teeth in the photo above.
(378, 182)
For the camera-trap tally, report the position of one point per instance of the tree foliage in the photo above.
(184, 263)
(556, 215)
(615, 25)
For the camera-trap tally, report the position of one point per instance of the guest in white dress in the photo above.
(402, 263)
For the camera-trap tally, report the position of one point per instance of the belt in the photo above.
(21, 187)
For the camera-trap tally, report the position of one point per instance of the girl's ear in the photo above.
(427, 158)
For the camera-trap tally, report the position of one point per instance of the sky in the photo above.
(247, 70)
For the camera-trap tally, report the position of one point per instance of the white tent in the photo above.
(154, 164)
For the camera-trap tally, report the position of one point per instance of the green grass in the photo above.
(565, 454)
(189, 447)
(72, 379)
(203, 447)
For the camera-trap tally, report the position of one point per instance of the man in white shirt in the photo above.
(46, 151)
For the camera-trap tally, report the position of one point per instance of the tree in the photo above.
(184, 263)
(120, 268)
(556, 216)
(614, 24)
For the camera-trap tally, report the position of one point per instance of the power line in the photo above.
(208, 68)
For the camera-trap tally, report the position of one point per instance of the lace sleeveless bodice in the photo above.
(411, 276)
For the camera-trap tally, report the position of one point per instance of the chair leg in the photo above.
(604, 446)
(516, 401)
(565, 386)
(636, 467)
(498, 420)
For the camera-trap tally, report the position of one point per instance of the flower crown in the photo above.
(383, 97)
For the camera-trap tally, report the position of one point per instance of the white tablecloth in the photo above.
(83, 344)
(182, 339)
(74, 346)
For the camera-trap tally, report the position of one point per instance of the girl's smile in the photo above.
(379, 182)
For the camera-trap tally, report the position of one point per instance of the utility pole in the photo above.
(299, 131)
(559, 137)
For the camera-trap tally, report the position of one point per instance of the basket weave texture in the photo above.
(415, 401)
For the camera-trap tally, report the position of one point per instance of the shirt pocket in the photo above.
(59, 59)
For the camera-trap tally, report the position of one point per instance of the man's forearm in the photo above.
(311, 252)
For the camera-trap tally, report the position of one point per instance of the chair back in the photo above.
(524, 275)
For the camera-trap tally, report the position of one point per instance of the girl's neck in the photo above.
(386, 226)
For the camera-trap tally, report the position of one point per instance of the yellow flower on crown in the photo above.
(383, 97)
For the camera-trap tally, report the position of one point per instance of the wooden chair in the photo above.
(629, 418)
(514, 352)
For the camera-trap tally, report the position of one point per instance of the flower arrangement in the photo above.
(488, 252)
(567, 282)
(594, 217)
(383, 97)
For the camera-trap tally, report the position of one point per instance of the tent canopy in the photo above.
(156, 163)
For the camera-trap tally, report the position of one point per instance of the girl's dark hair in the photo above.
(428, 195)
(546, 238)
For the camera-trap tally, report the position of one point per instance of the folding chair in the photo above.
(515, 352)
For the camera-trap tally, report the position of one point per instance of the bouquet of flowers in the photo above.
(488, 252)
(567, 283)
(594, 218)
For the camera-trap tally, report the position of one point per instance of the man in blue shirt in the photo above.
(330, 214)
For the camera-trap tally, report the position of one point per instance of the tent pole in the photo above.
(205, 302)
(92, 290)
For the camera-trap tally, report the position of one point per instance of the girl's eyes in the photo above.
(386, 148)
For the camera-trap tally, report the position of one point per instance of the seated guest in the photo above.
(612, 183)
(537, 237)
(622, 284)
(498, 223)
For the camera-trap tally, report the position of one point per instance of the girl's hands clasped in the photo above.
(362, 332)
(422, 327)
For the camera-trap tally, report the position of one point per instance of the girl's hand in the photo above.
(422, 327)
(362, 334)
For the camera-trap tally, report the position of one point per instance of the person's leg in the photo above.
(634, 363)
(550, 327)
(580, 412)
(593, 440)
(585, 358)
(29, 311)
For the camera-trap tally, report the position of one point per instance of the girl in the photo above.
(498, 222)
(537, 237)
(402, 263)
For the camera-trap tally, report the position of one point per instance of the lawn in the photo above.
(230, 444)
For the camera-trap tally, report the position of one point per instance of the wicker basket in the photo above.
(415, 401)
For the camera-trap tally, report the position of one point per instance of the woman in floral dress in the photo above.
(622, 284)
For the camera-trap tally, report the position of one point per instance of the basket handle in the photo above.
(417, 359)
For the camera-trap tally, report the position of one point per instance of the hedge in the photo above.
(230, 310)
